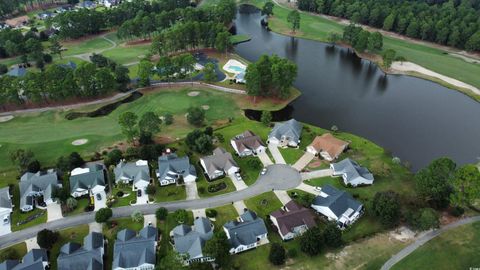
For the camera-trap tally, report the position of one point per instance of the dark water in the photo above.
(415, 119)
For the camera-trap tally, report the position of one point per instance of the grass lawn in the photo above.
(203, 183)
(75, 234)
(15, 252)
(125, 55)
(455, 249)
(111, 235)
(224, 214)
(128, 195)
(86, 46)
(291, 155)
(82, 203)
(318, 28)
(264, 204)
(165, 227)
(170, 193)
(239, 38)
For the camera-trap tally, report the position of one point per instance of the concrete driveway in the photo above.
(316, 174)
(150, 219)
(277, 156)
(54, 211)
(199, 213)
(303, 161)
(102, 203)
(240, 207)
(5, 228)
(308, 188)
(265, 159)
(239, 184)
(191, 189)
(95, 227)
(142, 199)
(282, 195)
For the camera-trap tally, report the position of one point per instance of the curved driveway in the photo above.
(425, 238)
(278, 177)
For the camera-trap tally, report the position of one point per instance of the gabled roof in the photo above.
(171, 163)
(294, 215)
(89, 257)
(88, 178)
(247, 141)
(221, 160)
(328, 143)
(35, 182)
(291, 129)
(351, 170)
(33, 260)
(136, 171)
(9, 264)
(132, 251)
(191, 241)
(5, 200)
(17, 72)
(35, 255)
(246, 231)
(338, 201)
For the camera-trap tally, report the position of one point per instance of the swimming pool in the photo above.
(237, 68)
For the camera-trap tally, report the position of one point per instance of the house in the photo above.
(69, 64)
(45, 15)
(36, 259)
(109, 3)
(293, 220)
(87, 4)
(88, 180)
(34, 185)
(189, 241)
(132, 251)
(17, 22)
(136, 173)
(75, 257)
(6, 207)
(240, 78)
(247, 144)
(337, 205)
(172, 168)
(327, 146)
(286, 134)
(247, 233)
(17, 72)
(352, 173)
(219, 164)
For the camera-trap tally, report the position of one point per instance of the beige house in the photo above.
(327, 146)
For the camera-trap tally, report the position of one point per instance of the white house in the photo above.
(352, 173)
(87, 181)
(172, 168)
(337, 206)
(136, 173)
(247, 233)
(34, 185)
(247, 144)
(286, 134)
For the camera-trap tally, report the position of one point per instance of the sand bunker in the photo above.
(80, 142)
(193, 93)
(205, 107)
(6, 118)
(402, 234)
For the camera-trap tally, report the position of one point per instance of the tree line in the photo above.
(453, 23)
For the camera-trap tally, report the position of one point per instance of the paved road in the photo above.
(424, 238)
(281, 177)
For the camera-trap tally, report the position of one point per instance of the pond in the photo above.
(415, 119)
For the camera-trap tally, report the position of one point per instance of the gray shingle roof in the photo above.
(351, 170)
(5, 200)
(221, 160)
(291, 129)
(246, 231)
(131, 171)
(17, 72)
(96, 176)
(132, 251)
(247, 140)
(89, 257)
(191, 241)
(37, 182)
(9, 264)
(171, 163)
(338, 201)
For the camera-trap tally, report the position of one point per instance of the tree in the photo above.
(3, 69)
(361, 41)
(34, 166)
(423, 219)
(171, 261)
(128, 124)
(121, 77)
(268, 9)
(226, 11)
(21, 158)
(283, 73)
(149, 123)
(196, 116)
(253, 81)
(386, 207)
(46, 238)
(466, 186)
(332, 235)
(311, 242)
(71, 203)
(75, 161)
(209, 74)
(433, 182)
(168, 119)
(223, 41)
(161, 213)
(180, 216)
(375, 42)
(219, 248)
(103, 215)
(277, 254)
(144, 72)
(266, 118)
(151, 189)
(113, 157)
(473, 43)
(137, 216)
(388, 56)
(199, 142)
(211, 213)
(293, 19)
(333, 37)
(61, 194)
(389, 21)
(55, 47)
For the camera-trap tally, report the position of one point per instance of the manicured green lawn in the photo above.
(204, 184)
(75, 234)
(86, 46)
(264, 204)
(318, 28)
(170, 193)
(239, 38)
(292, 155)
(125, 55)
(455, 249)
(128, 195)
(15, 252)
(18, 215)
(224, 214)
(82, 203)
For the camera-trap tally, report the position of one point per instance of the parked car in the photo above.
(264, 171)
(319, 189)
(99, 197)
(238, 176)
(139, 193)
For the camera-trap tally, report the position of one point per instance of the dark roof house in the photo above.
(83, 180)
(191, 240)
(352, 173)
(137, 173)
(218, 164)
(36, 259)
(171, 168)
(293, 220)
(17, 72)
(247, 144)
(286, 134)
(89, 257)
(37, 184)
(135, 251)
(247, 233)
